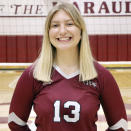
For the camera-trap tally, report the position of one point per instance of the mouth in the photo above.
(64, 39)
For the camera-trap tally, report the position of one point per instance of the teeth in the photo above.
(64, 38)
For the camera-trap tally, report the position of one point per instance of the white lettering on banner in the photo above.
(86, 7)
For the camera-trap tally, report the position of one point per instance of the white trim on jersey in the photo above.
(67, 76)
(14, 118)
(120, 124)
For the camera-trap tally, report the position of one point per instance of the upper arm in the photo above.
(21, 103)
(112, 103)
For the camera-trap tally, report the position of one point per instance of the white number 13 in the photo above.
(75, 112)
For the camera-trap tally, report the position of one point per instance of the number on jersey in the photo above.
(75, 112)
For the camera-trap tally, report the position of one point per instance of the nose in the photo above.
(62, 30)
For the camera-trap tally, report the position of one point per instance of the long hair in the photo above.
(43, 65)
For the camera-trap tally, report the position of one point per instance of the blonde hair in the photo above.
(44, 63)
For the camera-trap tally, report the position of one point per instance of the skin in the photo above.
(65, 36)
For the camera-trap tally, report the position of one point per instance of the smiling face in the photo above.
(63, 33)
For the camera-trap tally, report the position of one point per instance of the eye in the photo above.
(70, 24)
(54, 25)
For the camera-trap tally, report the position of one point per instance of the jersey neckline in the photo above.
(67, 76)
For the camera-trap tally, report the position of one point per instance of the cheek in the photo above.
(78, 33)
(52, 37)
(51, 34)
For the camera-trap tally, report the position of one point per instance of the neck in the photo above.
(67, 60)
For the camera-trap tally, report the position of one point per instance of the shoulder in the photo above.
(26, 76)
(28, 72)
(101, 70)
(104, 77)
(25, 83)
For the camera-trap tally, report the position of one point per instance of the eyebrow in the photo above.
(55, 21)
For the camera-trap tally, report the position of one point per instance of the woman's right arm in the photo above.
(21, 103)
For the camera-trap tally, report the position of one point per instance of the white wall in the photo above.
(33, 24)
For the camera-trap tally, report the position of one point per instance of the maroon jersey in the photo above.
(67, 104)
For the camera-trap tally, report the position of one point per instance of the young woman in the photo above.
(66, 85)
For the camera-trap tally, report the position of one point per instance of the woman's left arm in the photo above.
(112, 103)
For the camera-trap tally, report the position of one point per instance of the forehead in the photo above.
(61, 15)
